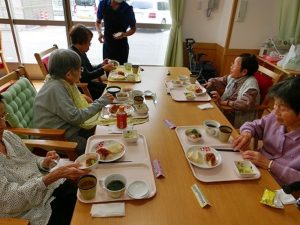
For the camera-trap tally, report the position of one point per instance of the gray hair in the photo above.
(61, 61)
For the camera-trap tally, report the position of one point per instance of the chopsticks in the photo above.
(226, 150)
(124, 161)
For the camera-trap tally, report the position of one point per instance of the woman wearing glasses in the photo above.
(28, 189)
(280, 133)
(57, 105)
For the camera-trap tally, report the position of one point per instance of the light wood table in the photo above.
(232, 203)
(13, 221)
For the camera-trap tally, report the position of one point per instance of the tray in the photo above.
(138, 168)
(177, 93)
(137, 78)
(223, 172)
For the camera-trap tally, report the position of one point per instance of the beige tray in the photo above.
(121, 68)
(139, 168)
(223, 172)
(177, 93)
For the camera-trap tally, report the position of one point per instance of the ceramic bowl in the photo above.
(122, 96)
(88, 160)
(189, 95)
(130, 136)
(113, 90)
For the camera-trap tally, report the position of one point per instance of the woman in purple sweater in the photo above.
(280, 133)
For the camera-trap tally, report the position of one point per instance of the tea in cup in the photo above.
(138, 100)
(128, 66)
(224, 133)
(211, 127)
(135, 69)
(193, 78)
(115, 185)
(87, 185)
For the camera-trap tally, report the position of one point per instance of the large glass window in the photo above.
(3, 12)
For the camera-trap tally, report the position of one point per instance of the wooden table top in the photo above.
(236, 202)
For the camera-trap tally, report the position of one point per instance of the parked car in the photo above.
(152, 11)
(86, 9)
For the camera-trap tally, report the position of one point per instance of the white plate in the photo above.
(115, 76)
(128, 109)
(138, 190)
(202, 151)
(107, 144)
(192, 87)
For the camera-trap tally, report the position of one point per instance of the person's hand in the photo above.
(242, 141)
(50, 157)
(101, 38)
(215, 96)
(108, 67)
(257, 158)
(105, 61)
(110, 97)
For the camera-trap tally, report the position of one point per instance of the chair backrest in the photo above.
(18, 96)
(265, 78)
(43, 57)
(3, 64)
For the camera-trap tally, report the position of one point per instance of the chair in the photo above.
(18, 96)
(43, 57)
(3, 65)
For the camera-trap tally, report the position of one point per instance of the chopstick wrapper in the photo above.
(205, 106)
(108, 209)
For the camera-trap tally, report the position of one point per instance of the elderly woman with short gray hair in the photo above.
(55, 105)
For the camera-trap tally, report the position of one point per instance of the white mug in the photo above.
(211, 127)
(114, 184)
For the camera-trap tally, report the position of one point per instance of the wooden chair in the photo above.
(42, 60)
(18, 96)
(3, 65)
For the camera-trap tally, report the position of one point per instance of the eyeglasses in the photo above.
(81, 69)
(3, 118)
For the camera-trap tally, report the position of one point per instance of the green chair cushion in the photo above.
(18, 99)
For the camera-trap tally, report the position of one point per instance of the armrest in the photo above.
(13, 221)
(84, 88)
(66, 146)
(51, 133)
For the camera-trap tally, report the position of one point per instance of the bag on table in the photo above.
(291, 60)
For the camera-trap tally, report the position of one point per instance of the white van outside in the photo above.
(86, 9)
(151, 11)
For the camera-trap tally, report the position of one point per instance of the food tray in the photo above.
(177, 93)
(105, 114)
(223, 172)
(121, 68)
(138, 168)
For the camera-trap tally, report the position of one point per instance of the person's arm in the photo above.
(285, 173)
(98, 22)
(247, 101)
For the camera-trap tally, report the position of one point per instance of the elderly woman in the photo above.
(27, 190)
(81, 38)
(280, 133)
(55, 105)
(239, 90)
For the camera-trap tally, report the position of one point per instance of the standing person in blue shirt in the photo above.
(119, 23)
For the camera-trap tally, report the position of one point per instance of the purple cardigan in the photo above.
(283, 148)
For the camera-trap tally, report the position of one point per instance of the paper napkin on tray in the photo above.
(108, 209)
(205, 106)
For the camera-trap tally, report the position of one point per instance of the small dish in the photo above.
(193, 135)
(189, 95)
(122, 96)
(245, 168)
(88, 160)
(141, 109)
(203, 157)
(130, 136)
(114, 62)
(138, 189)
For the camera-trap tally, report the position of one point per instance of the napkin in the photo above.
(205, 106)
(108, 209)
(285, 198)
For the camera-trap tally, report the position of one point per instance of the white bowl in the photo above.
(183, 78)
(122, 96)
(193, 135)
(130, 136)
(88, 160)
(245, 168)
(189, 95)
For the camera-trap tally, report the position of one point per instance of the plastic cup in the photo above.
(87, 186)
(224, 133)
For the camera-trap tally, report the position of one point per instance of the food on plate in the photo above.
(195, 156)
(121, 73)
(113, 109)
(210, 158)
(89, 162)
(193, 134)
(198, 90)
(189, 95)
(107, 152)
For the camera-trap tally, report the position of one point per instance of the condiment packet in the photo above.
(158, 171)
(285, 198)
(169, 124)
(205, 106)
(199, 196)
(271, 198)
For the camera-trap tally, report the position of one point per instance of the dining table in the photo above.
(174, 203)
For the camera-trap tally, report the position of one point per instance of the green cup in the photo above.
(87, 185)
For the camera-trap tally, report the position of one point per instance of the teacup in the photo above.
(137, 93)
(135, 69)
(224, 133)
(114, 184)
(193, 78)
(128, 66)
(87, 185)
(211, 127)
(138, 100)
